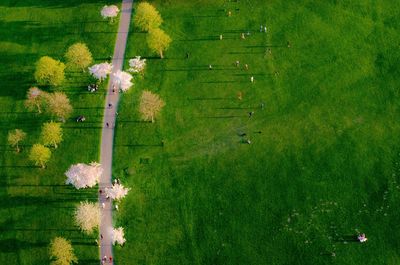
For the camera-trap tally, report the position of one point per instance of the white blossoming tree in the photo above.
(123, 79)
(137, 65)
(87, 216)
(109, 12)
(84, 176)
(116, 192)
(100, 71)
(117, 235)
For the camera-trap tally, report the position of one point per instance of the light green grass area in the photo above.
(324, 166)
(36, 205)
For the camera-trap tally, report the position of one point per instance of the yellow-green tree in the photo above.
(150, 105)
(78, 56)
(40, 155)
(51, 134)
(147, 17)
(61, 252)
(35, 99)
(49, 71)
(59, 105)
(15, 137)
(158, 41)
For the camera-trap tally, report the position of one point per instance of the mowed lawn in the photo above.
(36, 205)
(323, 162)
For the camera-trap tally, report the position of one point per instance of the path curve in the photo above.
(107, 136)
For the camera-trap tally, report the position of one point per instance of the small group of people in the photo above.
(93, 87)
(105, 259)
(362, 238)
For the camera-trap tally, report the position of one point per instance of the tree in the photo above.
(84, 176)
(109, 12)
(137, 65)
(150, 105)
(116, 192)
(100, 71)
(51, 134)
(123, 79)
(87, 216)
(61, 252)
(49, 71)
(158, 41)
(15, 137)
(117, 235)
(35, 99)
(78, 56)
(147, 17)
(58, 105)
(40, 155)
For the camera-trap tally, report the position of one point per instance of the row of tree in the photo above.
(40, 154)
(148, 19)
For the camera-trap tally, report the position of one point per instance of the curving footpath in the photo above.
(107, 137)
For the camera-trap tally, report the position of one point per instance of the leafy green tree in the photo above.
(147, 17)
(40, 155)
(158, 41)
(150, 105)
(15, 137)
(78, 56)
(59, 105)
(49, 71)
(61, 252)
(51, 134)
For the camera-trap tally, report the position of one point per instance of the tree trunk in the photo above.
(161, 54)
(152, 118)
(17, 148)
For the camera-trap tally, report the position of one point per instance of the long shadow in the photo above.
(15, 245)
(216, 98)
(89, 261)
(240, 108)
(51, 3)
(265, 46)
(140, 145)
(222, 117)
(219, 82)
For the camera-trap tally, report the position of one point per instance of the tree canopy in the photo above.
(147, 17)
(15, 137)
(83, 175)
(40, 155)
(150, 105)
(51, 134)
(87, 216)
(61, 252)
(58, 105)
(35, 99)
(49, 71)
(158, 41)
(78, 56)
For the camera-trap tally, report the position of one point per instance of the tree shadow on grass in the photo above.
(14, 245)
(52, 3)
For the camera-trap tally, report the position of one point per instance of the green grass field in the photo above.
(325, 165)
(36, 205)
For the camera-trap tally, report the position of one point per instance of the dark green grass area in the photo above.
(324, 166)
(36, 205)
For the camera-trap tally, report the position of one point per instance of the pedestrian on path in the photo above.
(110, 105)
(107, 125)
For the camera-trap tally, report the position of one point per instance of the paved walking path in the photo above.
(107, 136)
